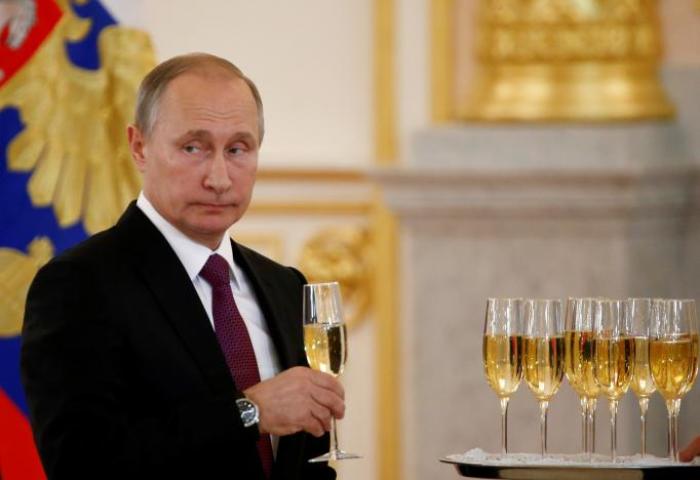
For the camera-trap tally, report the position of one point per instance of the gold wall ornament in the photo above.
(567, 60)
(74, 141)
(17, 270)
(341, 254)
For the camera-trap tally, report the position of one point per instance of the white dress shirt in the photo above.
(193, 256)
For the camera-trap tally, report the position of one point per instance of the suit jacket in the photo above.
(123, 373)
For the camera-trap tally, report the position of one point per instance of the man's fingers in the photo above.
(315, 425)
(330, 401)
(323, 416)
(691, 451)
(328, 382)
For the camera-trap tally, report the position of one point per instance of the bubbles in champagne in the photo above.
(612, 368)
(642, 383)
(502, 362)
(674, 365)
(544, 365)
(579, 363)
(326, 347)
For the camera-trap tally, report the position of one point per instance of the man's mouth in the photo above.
(214, 206)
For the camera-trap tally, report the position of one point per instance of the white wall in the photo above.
(311, 59)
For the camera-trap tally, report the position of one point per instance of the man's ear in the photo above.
(136, 146)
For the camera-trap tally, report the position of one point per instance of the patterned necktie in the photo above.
(234, 340)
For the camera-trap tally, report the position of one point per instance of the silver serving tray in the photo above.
(565, 472)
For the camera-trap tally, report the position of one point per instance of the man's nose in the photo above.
(217, 178)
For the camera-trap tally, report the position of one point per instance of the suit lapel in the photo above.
(165, 276)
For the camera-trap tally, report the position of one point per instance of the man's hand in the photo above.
(691, 451)
(298, 399)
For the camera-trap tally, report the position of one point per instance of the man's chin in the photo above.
(208, 232)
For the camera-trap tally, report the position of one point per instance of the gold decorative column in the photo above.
(586, 60)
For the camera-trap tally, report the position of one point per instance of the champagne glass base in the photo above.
(334, 455)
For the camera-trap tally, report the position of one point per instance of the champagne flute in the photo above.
(614, 356)
(673, 355)
(325, 343)
(544, 355)
(638, 312)
(572, 304)
(502, 352)
(579, 363)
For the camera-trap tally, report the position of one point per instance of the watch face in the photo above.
(248, 411)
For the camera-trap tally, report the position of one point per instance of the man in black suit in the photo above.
(138, 343)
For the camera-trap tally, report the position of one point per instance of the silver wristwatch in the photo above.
(250, 415)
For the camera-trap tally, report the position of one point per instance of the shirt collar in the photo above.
(192, 255)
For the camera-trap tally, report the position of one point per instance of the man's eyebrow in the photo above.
(201, 133)
(195, 133)
(246, 136)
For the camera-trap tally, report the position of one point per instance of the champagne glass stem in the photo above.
(592, 402)
(673, 407)
(334, 439)
(643, 407)
(504, 424)
(584, 422)
(675, 434)
(613, 429)
(544, 405)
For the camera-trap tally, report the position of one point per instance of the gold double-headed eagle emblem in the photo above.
(73, 141)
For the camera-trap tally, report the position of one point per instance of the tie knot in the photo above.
(215, 271)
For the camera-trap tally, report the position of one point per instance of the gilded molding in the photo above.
(557, 60)
(442, 59)
(386, 240)
(267, 207)
(311, 174)
(384, 82)
(385, 288)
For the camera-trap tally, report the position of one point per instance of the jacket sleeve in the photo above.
(73, 360)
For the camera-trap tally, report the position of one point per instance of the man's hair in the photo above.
(154, 84)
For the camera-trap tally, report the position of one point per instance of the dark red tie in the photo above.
(234, 340)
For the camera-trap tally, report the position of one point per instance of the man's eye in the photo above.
(191, 149)
(235, 150)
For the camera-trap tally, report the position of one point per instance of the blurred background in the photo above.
(426, 153)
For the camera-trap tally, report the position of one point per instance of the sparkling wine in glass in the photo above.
(325, 343)
(578, 337)
(502, 352)
(544, 355)
(614, 357)
(639, 312)
(673, 356)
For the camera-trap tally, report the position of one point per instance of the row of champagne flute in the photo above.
(604, 347)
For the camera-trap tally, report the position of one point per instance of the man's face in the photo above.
(200, 159)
